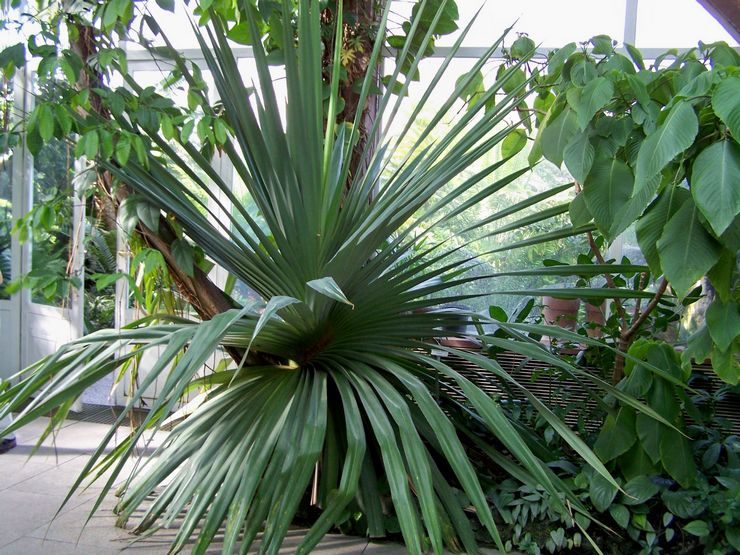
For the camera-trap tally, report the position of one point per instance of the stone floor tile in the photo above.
(35, 546)
(22, 512)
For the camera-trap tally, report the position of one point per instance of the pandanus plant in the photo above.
(331, 390)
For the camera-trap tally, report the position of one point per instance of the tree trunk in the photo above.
(360, 20)
(204, 296)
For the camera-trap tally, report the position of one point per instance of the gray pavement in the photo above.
(32, 490)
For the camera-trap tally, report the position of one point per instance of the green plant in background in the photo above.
(657, 146)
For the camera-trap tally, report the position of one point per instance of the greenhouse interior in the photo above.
(369, 276)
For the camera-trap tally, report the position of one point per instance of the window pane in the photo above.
(676, 23)
(548, 23)
(545, 176)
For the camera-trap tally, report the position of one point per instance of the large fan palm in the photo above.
(333, 393)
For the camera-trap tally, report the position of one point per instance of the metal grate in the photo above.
(559, 389)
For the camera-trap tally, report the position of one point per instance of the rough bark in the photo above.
(360, 18)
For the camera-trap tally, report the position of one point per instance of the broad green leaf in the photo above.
(620, 514)
(670, 139)
(556, 136)
(329, 288)
(168, 5)
(542, 105)
(686, 250)
(579, 156)
(636, 56)
(594, 96)
(726, 104)
(726, 365)
(578, 211)
(11, 58)
(617, 435)
(678, 457)
(45, 118)
(123, 149)
(513, 143)
(697, 528)
(148, 214)
(474, 88)
(650, 227)
(522, 48)
(182, 251)
(608, 187)
(723, 321)
(638, 490)
(601, 492)
(715, 183)
(649, 431)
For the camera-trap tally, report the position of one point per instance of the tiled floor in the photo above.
(32, 490)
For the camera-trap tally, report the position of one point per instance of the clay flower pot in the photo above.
(596, 317)
(561, 312)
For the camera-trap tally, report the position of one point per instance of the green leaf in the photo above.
(11, 58)
(726, 104)
(446, 24)
(726, 365)
(678, 457)
(329, 288)
(167, 5)
(649, 431)
(542, 105)
(556, 136)
(473, 89)
(617, 435)
(594, 96)
(123, 149)
(148, 214)
(182, 251)
(603, 44)
(671, 138)
(682, 504)
(697, 528)
(715, 179)
(578, 211)
(45, 118)
(636, 462)
(638, 490)
(650, 227)
(607, 190)
(579, 156)
(686, 249)
(522, 48)
(513, 143)
(636, 56)
(92, 144)
(733, 537)
(723, 321)
(601, 492)
(620, 514)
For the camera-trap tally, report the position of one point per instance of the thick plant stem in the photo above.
(198, 290)
(627, 335)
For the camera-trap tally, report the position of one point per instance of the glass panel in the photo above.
(549, 23)
(676, 23)
(544, 177)
(51, 201)
(6, 190)
(53, 170)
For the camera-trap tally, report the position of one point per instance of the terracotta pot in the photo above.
(561, 312)
(596, 317)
